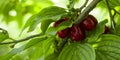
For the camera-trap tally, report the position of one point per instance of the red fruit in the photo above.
(93, 19)
(76, 33)
(87, 24)
(63, 33)
(107, 30)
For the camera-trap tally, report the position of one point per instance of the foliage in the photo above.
(47, 45)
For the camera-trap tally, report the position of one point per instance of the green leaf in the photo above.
(94, 34)
(51, 31)
(45, 25)
(52, 57)
(29, 22)
(108, 48)
(77, 51)
(3, 35)
(52, 13)
(43, 49)
(22, 48)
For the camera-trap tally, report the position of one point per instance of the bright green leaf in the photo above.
(77, 51)
(22, 48)
(108, 48)
(94, 34)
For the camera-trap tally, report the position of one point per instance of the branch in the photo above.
(110, 14)
(20, 40)
(86, 11)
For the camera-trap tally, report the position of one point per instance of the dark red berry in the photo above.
(107, 30)
(93, 19)
(76, 33)
(63, 33)
(87, 24)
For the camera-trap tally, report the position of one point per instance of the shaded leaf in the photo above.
(51, 31)
(3, 35)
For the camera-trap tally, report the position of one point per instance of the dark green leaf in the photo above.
(52, 31)
(3, 35)
(77, 51)
(45, 25)
(94, 34)
(108, 48)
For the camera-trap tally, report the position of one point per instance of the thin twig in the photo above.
(116, 11)
(84, 5)
(110, 14)
(87, 10)
(20, 40)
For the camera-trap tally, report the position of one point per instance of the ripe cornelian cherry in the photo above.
(93, 19)
(107, 30)
(76, 33)
(62, 33)
(87, 24)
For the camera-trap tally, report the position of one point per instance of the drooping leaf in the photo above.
(29, 22)
(53, 13)
(77, 51)
(94, 34)
(45, 25)
(22, 48)
(3, 35)
(108, 48)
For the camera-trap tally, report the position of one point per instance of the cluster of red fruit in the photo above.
(77, 31)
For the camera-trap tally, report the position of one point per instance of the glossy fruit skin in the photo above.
(87, 24)
(76, 33)
(107, 30)
(93, 19)
(62, 33)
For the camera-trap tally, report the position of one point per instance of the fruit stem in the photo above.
(110, 14)
(86, 11)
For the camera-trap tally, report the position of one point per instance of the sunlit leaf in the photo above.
(22, 48)
(108, 48)
(77, 51)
